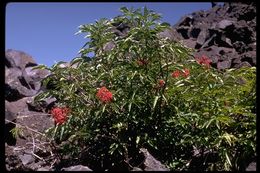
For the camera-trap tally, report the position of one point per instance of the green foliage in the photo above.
(16, 132)
(206, 111)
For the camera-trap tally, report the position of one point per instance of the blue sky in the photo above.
(46, 30)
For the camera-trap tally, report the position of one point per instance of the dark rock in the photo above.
(12, 73)
(184, 32)
(37, 74)
(172, 34)
(120, 29)
(196, 15)
(18, 59)
(225, 50)
(225, 24)
(223, 41)
(209, 42)
(150, 163)
(248, 14)
(240, 47)
(250, 57)
(17, 85)
(33, 166)
(76, 168)
(235, 62)
(224, 65)
(9, 62)
(186, 21)
(251, 167)
(195, 32)
(122, 26)
(26, 158)
(10, 116)
(15, 92)
(242, 64)
(46, 168)
(13, 162)
(41, 106)
(215, 12)
(189, 43)
(34, 120)
(32, 82)
(204, 34)
(244, 34)
(22, 83)
(252, 47)
(117, 32)
(200, 162)
(20, 105)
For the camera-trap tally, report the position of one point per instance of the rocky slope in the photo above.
(22, 84)
(226, 34)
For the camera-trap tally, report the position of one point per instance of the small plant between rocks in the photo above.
(147, 91)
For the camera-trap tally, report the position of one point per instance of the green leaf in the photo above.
(131, 101)
(155, 101)
(165, 24)
(76, 60)
(72, 87)
(112, 148)
(229, 138)
(124, 10)
(40, 67)
(41, 96)
(15, 132)
(62, 132)
(165, 99)
(181, 84)
(137, 139)
(217, 124)
(133, 75)
(62, 79)
(207, 123)
(57, 65)
(104, 108)
(227, 157)
(55, 131)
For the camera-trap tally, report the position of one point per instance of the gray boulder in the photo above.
(18, 59)
(17, 85)
(76, 168)
(150, 163)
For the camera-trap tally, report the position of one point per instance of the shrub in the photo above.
(148, 91)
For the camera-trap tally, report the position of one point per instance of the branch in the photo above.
(35, 131)
(28, 128)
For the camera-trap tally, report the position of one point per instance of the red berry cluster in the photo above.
(60, 114)
(161, 83)
(204, 60)
(178, 73)
(104, 95)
